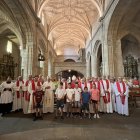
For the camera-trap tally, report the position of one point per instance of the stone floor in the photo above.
(16, 126)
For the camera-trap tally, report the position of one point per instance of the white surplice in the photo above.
(107, 107)
(18, 101)
(113, 97)
(26, 94)
(48, 103)
(122, 108)
(6, 96)
(31, 91)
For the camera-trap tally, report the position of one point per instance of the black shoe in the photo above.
(55, 117)
(62, 117)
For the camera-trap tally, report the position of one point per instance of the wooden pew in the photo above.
(133, 94)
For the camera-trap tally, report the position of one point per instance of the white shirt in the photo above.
(77, 93)
(69, 92)
(50, 84)
(60, 92)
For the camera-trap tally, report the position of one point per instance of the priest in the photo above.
(122, 93)
(19, 94)
(48, 88)
(106, 98)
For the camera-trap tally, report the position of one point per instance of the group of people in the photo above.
(76, 97)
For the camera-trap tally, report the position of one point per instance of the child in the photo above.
(69, 99)
(77, 99)
(60, 94)
(95, 96)
(85, 101)
(38, 102)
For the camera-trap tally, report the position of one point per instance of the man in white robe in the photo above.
(18, 94)
(6, 97)
(106, 98)
(48, 88)
(122, 93)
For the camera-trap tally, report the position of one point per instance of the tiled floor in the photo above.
(16, 126)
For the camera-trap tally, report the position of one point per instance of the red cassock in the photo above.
(106, 98)
(73, 84)
(136, 82)
(79, 83)
(124, 90)
(17, 84)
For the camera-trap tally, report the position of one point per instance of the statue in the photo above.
(130, 66)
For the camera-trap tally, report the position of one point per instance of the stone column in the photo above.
(45, 68)
(118, 59)
(94, 72)
(49, 66)
(27, 60)
(24, 63)
(88, 68)
(111, 58)
(30, 59)
(105, 70)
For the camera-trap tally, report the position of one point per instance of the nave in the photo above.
(109, 127)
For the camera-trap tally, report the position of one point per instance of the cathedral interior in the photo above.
(62, 38)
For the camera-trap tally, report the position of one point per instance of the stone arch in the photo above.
(130, 45)
(10, 24)
(14, 30)
(119, 26)
(97, 69)
(130, 48)
(96, 47)
(13, 54)
(68, 74)
(20, 19)
(88, 55)
(69, 60)
(69, 68)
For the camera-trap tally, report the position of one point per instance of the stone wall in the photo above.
(111, 28)
(79, 67)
